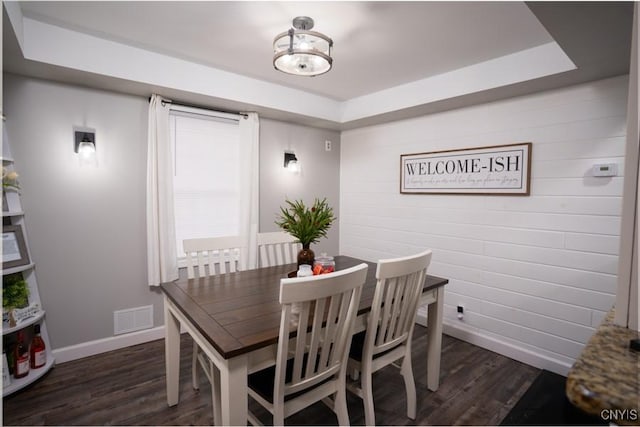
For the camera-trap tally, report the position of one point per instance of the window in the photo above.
(206, 153)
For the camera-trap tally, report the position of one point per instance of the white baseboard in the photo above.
(91, 348)
(503, 347)
(508, 349)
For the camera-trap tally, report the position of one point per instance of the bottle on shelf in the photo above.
(37, 350)
(21, 356)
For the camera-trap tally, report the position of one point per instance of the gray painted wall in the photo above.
(86, 227)
(319, 174)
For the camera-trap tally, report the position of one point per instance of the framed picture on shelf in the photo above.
(14, 249)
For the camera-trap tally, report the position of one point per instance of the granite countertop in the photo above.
(606, 375)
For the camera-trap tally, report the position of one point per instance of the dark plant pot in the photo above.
(306, 256)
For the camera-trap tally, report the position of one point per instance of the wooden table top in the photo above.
(239, 312)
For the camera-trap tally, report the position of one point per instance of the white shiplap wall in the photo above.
(535, 274)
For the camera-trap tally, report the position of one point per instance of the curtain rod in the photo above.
(200, 107)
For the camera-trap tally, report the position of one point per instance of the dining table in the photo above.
(235, 318)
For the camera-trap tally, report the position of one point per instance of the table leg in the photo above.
(233, 391)
(172, 354)
(217, 402)
(434, 340)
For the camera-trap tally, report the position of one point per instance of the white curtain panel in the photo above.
(249, 214)
(162, 260)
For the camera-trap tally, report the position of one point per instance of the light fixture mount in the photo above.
(303, 23)
(288, 158)
(302, 52)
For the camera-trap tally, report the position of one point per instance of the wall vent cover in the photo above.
(132, 319)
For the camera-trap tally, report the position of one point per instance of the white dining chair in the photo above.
(277, 248)
(213, 255)
(387, 338)
(210, 256)
(316, 326)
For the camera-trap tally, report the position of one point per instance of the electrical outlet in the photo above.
(327, 145)
(460, 312)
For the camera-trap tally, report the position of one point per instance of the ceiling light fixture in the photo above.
(302, 52)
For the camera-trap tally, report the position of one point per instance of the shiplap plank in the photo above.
(562, 205)
(577, 148)
(557, 222)
(593, 243)
(425, 240)
(426, 218)
(464, 239)
(586, 186)
(567, 294)
(454, 272)
(540, 204)
(600, 263)
(599, 282)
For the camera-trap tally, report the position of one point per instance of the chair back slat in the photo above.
(277, 248)
(301, 335)
(395, 302)
(316, 338)
(213, 255)
(320, 310)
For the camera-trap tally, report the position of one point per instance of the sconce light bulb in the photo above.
(86, 149)
(292, 166)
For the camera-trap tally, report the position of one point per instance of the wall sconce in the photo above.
(85, 146)
(291, 162)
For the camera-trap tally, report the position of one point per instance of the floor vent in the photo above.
(132, 319)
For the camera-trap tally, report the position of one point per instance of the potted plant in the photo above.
(15, 294)
(307, 224)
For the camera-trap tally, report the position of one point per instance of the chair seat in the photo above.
(357, 346)
(262, 382)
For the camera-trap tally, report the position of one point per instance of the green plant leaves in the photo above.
(306, 224)
(15, 292)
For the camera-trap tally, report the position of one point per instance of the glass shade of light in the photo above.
(303, 53)
(87, 154)
(293, 166)
(86, 149)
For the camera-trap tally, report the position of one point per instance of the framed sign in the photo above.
(14, 249)
(500, 170)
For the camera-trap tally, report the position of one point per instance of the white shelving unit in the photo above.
(13, 214)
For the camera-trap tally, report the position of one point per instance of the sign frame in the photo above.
(13, 240)
(478, 170)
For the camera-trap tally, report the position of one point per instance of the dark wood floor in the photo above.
(127, 387)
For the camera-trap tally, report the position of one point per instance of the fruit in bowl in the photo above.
(324, 264)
